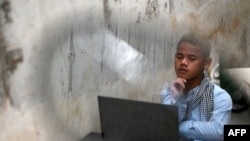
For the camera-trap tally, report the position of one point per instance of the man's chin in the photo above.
(182, 76)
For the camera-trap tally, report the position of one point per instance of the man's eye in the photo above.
(178, 56)
(192, 58)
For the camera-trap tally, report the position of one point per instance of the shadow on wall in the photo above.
(75, 62)
(237, 83)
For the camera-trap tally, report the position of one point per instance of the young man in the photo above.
(204, 108)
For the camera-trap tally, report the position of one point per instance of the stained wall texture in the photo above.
(58, 56)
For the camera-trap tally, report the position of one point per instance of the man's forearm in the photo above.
(198, 130)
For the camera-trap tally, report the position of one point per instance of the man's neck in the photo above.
(193, 83)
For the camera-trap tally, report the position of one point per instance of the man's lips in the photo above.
(182, 70)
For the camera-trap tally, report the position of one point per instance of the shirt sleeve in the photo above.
(166, 94)
(211, 130)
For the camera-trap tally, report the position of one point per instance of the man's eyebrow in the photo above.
(178, 53)
(192, 55)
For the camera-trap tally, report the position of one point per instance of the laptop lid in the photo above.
(130, 120)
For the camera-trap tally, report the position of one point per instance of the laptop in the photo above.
(133, 120)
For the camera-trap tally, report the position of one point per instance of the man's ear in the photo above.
(208, 62)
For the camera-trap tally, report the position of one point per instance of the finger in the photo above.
(178, 84)
(181, 82)
(184, 80)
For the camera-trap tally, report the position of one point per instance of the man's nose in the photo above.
(184, 61)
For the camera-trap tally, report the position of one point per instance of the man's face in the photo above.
(190, 62)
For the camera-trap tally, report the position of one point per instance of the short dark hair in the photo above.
(197, 40)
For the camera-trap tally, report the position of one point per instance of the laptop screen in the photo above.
(131, 120)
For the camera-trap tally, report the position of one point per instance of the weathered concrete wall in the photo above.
(68, 52)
